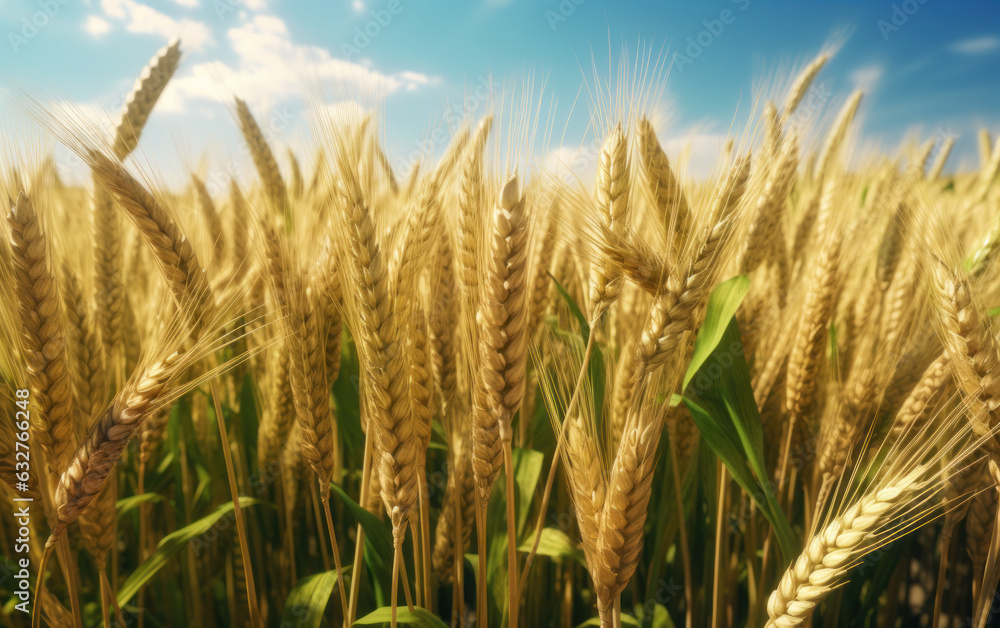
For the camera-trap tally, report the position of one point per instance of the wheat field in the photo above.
(487, 392)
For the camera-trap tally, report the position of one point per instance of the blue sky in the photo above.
(929, 67)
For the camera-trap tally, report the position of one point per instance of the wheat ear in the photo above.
(171, 249)
(309, 385)
(623, 516)
(91, 465)
(278, 420)
(109, 291)
(42, 339)
(141, 100)
(503, 341)
(675, 308)
(85, 348)
(838, 134)
(295, 171)
(212, 219)
(458, 515)
(470, 217)
(921, 399)
(800, 86)
(972, 349)
(810, 336)
(240, 234)
(97, 525)
(937, 167)
(386, 402)
(671, 203)
(443, 321)
(263, 158)
(831, 553)
(612, 206)
(769, 211)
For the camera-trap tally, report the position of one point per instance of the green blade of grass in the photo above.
(306, 604)
(718, 393)
(555, 543)
(419, 617)
(173, 543)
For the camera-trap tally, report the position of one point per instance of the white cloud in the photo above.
(696, 152)
(270, 70)
(867, 77)
(976, 45)
(143, 19)
(96, 26)
(358, 5)
(188, 3)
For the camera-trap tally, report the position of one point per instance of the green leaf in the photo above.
(660, 618)
(173, 543)
(627, 620)
(418, 617)
(720, 398)
(126, 504)
(306, 604)
(574, 309)
(345, 395)
(722, 306)
(527, 472)
(376, 530)
(378, 538)
(595, 369)
(556, 544)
